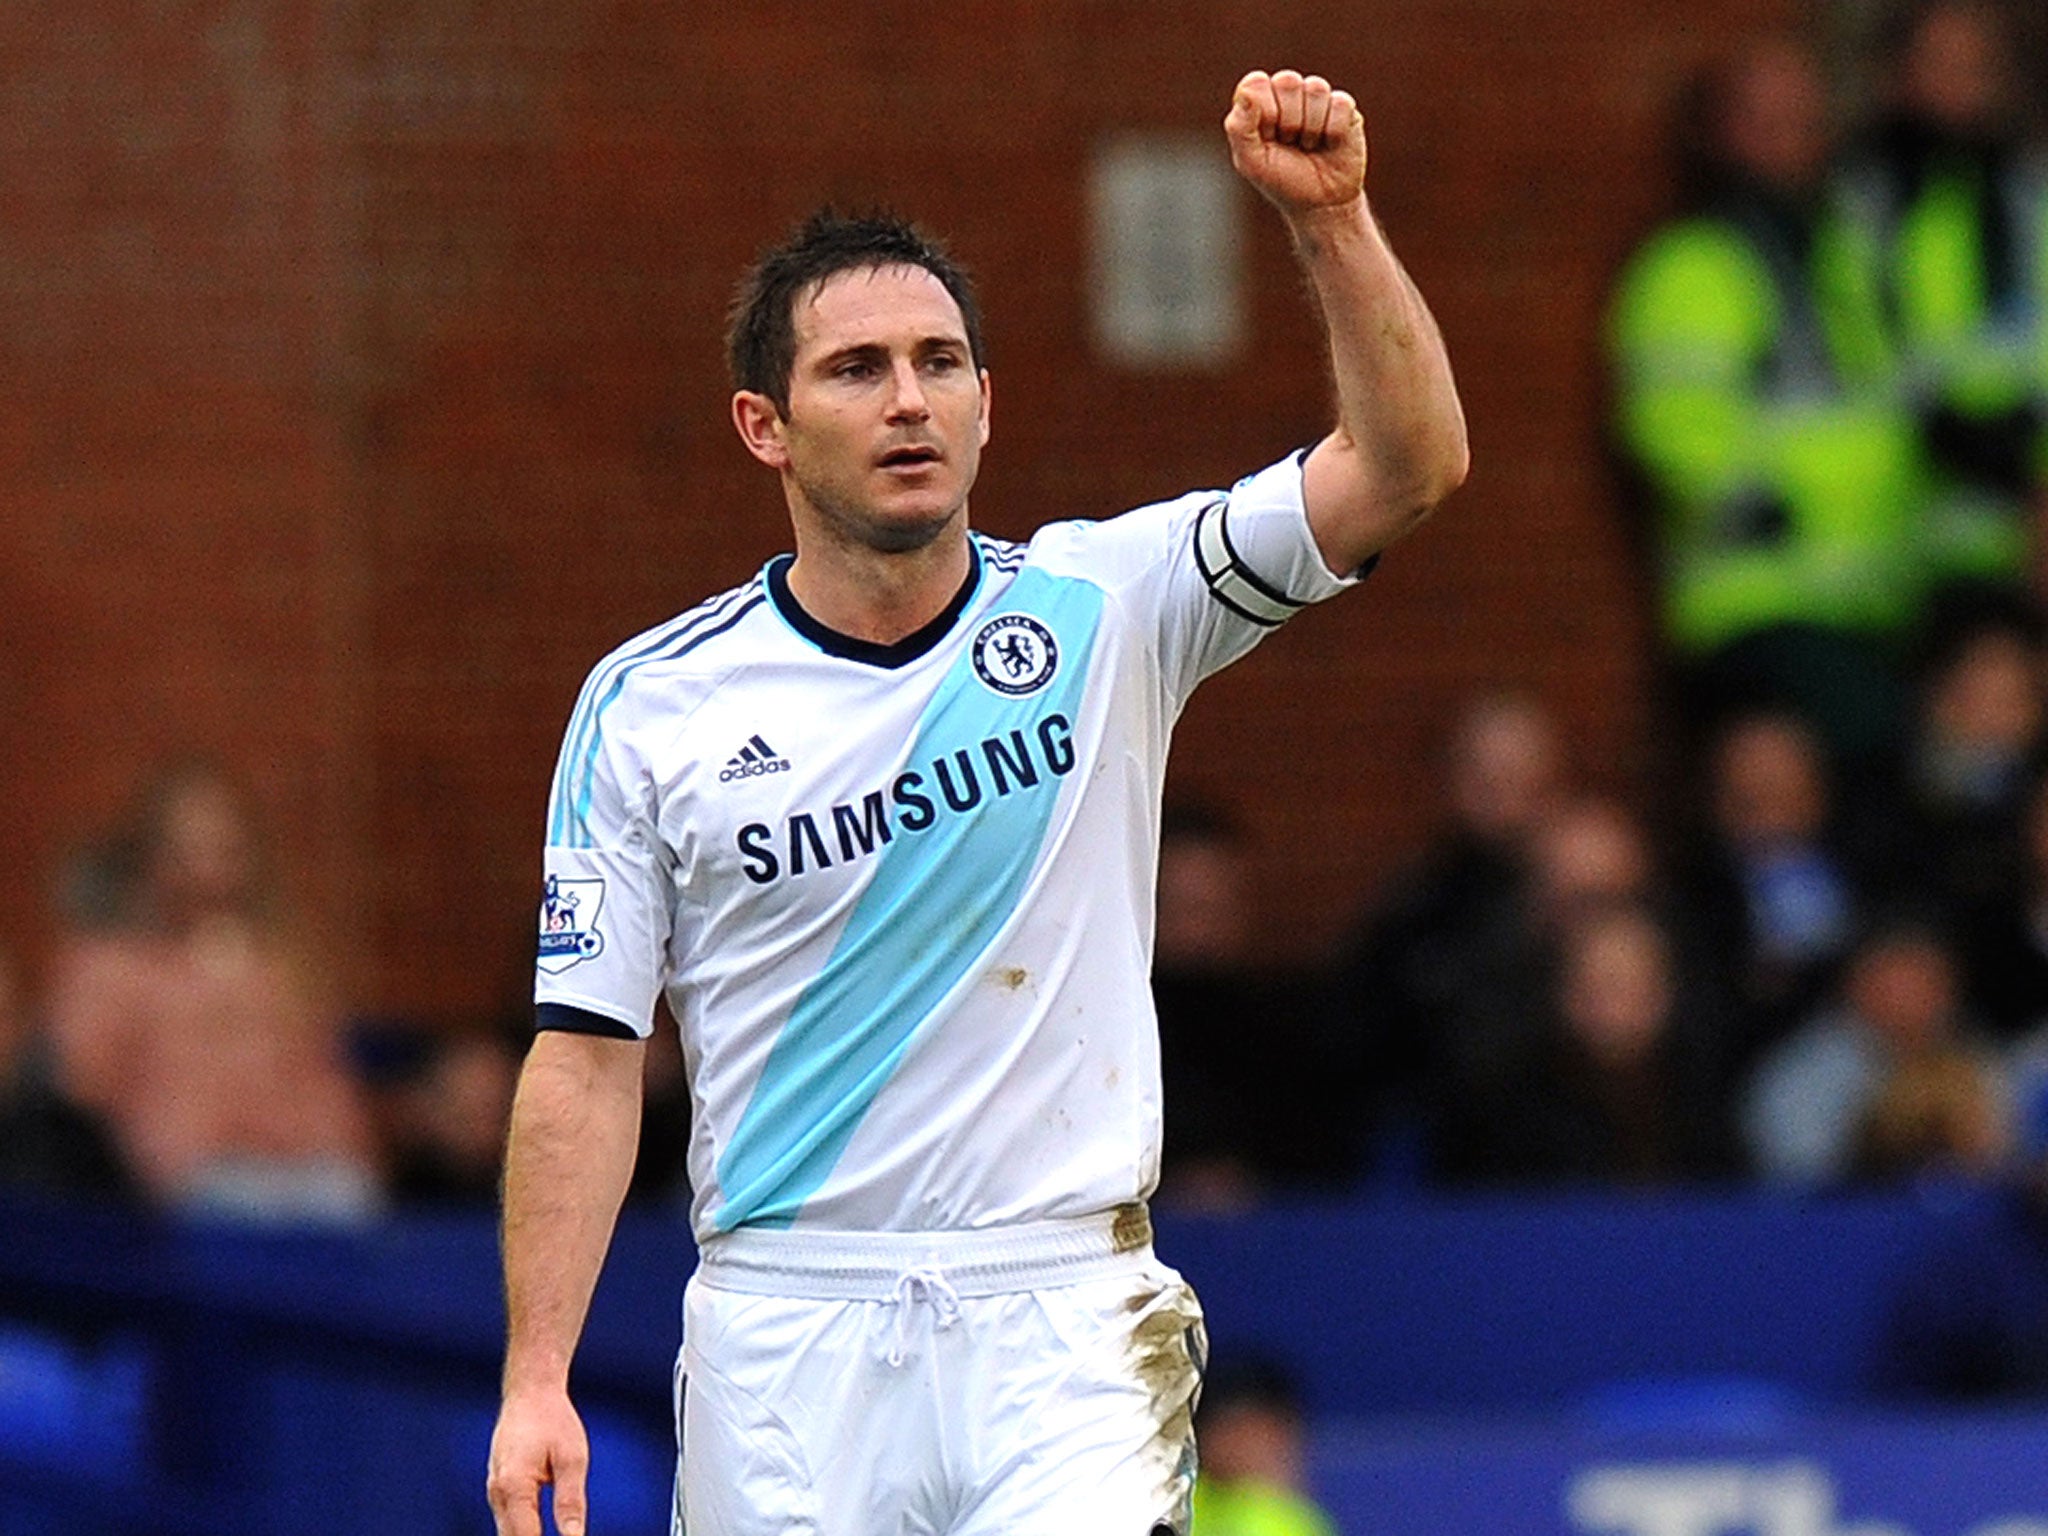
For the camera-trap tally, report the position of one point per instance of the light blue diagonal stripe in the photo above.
(936, 903)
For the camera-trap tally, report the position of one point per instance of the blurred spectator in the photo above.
(1937, 1114)
(2007, 937)
(1590, 852)
(1615, 1086)
(1251, 1482)
(1770, 894)
(661, 1171)
(1248, 1102)
(183, 1014)
(1406, 982)
(1971, 1321)
(448, 1133)
(1585, 853)
(1754, 407)
(1899, 1007)
(1976, 745)
(47, 1142)
(1948, 214)
(441, 1099)
(388, 1057)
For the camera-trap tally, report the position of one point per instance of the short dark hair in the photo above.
(760, 338)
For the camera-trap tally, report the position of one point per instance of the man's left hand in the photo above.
(1300, 143)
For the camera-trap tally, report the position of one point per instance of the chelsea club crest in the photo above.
(568, 923)
(1015, 654)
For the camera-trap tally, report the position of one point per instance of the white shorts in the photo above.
(1025, 1381)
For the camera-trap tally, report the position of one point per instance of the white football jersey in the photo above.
(900, 897)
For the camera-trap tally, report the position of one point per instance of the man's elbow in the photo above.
(1448, 468)
(1431, 476)
(1363, 501)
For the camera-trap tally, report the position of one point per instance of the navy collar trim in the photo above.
(896, 653)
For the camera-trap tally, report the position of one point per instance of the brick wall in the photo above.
(363, 386)
(182, 563)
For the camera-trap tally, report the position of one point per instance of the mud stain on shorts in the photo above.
(1168, 1351)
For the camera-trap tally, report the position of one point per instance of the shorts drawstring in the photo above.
(921, 1283)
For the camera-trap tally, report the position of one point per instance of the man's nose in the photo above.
(908, 402)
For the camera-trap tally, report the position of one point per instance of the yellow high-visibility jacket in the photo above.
(1950, 241)
(1754, 394)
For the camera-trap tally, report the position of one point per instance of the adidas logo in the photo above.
(753, 760)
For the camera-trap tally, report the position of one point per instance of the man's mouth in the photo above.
(909, 458)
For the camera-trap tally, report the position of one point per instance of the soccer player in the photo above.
(881, 824)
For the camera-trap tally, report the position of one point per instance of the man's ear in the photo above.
(759, 423)
(987, 400)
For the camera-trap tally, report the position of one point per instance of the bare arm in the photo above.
(575, 1129)
(1399, 445)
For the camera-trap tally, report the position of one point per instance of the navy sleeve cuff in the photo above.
(579, 1021)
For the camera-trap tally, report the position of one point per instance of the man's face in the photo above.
(1769, 785)
(1954, 73)
(887, 413)
(1776, 118)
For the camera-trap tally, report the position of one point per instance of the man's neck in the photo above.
(877, 595)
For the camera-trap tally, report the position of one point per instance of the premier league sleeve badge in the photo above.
(568, 923)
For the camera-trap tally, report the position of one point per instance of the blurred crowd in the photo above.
(1784, 975)
(191, 1049)
(1780, 978)
(1778, 984)
(1829, 373)
(1811, 949)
